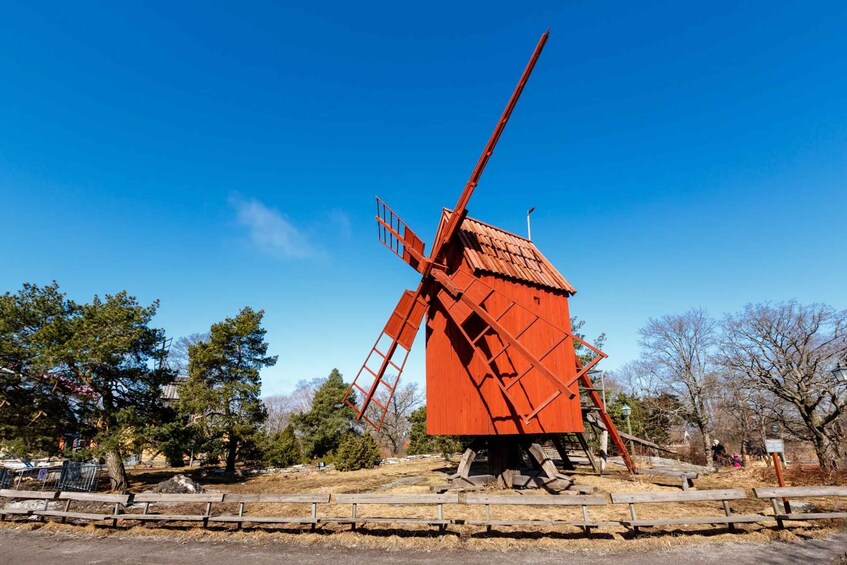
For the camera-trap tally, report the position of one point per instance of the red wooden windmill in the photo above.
(500, 359)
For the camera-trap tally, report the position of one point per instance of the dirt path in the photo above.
(24, 546)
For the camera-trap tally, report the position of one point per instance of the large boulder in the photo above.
(178, 484)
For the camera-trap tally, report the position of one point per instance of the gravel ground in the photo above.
(21, 546)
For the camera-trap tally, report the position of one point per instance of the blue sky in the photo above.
(215, 156)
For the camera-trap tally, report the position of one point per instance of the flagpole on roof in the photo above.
(528, 226)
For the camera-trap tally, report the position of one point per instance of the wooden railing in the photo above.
(217, 508)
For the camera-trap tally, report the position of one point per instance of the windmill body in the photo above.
(464, 396)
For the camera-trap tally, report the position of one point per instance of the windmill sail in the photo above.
(399, 237)
(385, 363)
(462, 205)
(404, 322)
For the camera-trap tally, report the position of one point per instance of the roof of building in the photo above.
(493, 250)
(170, 391)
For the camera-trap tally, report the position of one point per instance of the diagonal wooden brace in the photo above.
(616, 438)
(504, 335)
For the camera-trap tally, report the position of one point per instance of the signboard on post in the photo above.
(775, 446)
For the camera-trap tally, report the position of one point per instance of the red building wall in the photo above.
(464, 399)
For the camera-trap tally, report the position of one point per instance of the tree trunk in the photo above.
(707, 447)
(836, 441)
(231, 452)
(745, 432)
(117, 472)
(823, 452)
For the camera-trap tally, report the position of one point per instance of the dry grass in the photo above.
(802, 475)
(418, 476)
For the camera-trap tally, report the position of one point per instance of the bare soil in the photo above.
(19, 545)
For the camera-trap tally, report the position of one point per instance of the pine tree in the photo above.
(419, 441)
(356, 452)
(283, 449)
(224, 384)
(34, 410)
(327, 420)
(116, 355)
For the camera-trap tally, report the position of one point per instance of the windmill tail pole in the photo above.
(459, 210)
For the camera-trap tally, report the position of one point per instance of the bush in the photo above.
(419, 442)
(283, 449)
(356, 452)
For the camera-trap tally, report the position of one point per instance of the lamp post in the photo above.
(528, 227)
(840, 373)
(626, 411)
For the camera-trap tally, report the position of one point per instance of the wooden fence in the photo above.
(217, 508)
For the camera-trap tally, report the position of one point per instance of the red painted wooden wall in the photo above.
(462, 399)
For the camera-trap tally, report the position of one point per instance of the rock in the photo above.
(800, 507)
(178, 484)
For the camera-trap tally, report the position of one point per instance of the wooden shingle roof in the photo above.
(493, 250)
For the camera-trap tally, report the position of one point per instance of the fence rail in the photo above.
(125, 508)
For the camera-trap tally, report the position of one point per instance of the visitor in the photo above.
(736, 460)
(718, 452)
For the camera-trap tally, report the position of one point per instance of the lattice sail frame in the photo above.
(399, 237)
(391, 351)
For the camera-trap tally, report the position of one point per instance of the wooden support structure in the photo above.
(563, 453)
(505, 465)
(591, 459)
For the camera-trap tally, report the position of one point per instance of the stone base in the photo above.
(505, 466)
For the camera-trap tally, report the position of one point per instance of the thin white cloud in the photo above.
(341, 220)
(271, 232)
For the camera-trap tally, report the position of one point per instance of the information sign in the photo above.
(774, 446)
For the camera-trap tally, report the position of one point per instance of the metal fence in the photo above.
(78, 476)
(69, 476)
(34, 478)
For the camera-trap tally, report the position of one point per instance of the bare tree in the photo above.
(679, 349)
(789, 349)
(281, 407)
(737, 414)
(640, 380)
(304, 392)
(178, 353)
(637, 378)
(396, 426)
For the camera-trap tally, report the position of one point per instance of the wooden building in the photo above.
(464, 396)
